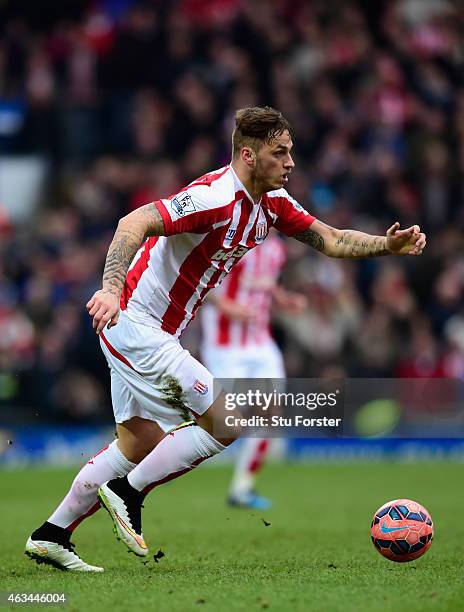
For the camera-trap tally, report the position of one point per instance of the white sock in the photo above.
(81, 500)
(249, 461)
(179, 452)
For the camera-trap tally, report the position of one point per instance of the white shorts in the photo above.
(152, 376)
(256, 361)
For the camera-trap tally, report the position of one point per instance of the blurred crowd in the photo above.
(128, 101)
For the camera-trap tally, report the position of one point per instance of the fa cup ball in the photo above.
(402, 530)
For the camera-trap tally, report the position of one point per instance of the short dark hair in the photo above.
(256, 125)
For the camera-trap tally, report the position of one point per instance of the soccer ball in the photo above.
(402, 530)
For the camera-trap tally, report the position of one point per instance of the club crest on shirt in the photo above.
(182, 204)
(261, 231)
(200, 387)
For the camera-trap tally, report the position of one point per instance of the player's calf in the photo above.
(137, 437)
(50, 543)
(182, 449)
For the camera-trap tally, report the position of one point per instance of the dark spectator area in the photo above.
(118, 103)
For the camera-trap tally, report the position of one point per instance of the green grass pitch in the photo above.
(316, 554)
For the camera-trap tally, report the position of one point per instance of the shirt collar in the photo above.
(243, 188)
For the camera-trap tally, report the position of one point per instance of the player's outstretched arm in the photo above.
(130, 233)
(358, 245)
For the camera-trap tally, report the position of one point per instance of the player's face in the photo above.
(274, 163)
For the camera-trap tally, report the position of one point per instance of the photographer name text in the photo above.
(280, 421)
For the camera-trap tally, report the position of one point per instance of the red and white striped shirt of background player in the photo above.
(250, 283)
(209, 226)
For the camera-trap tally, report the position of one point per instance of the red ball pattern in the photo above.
(402, 530)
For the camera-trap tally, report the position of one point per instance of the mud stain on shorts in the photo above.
(174, 396)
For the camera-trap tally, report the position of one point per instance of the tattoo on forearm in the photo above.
(145, 221)
(120, 254)
(358, 245)
(309, 236)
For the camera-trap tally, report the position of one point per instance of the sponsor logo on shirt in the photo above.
(182, 204)
(237, 251)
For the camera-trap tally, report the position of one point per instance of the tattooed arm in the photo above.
(130, 233)
(358, 245)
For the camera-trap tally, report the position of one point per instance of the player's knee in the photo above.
(230, 438)
(217, 422)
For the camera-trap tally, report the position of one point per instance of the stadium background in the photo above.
(108, 104)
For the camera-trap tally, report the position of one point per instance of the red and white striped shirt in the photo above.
(209, 226)
(250, 283)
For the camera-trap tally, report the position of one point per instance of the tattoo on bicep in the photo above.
(154, 220)
(309, 236)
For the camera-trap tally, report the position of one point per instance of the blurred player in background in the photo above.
(237, 343)
(163, 259)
